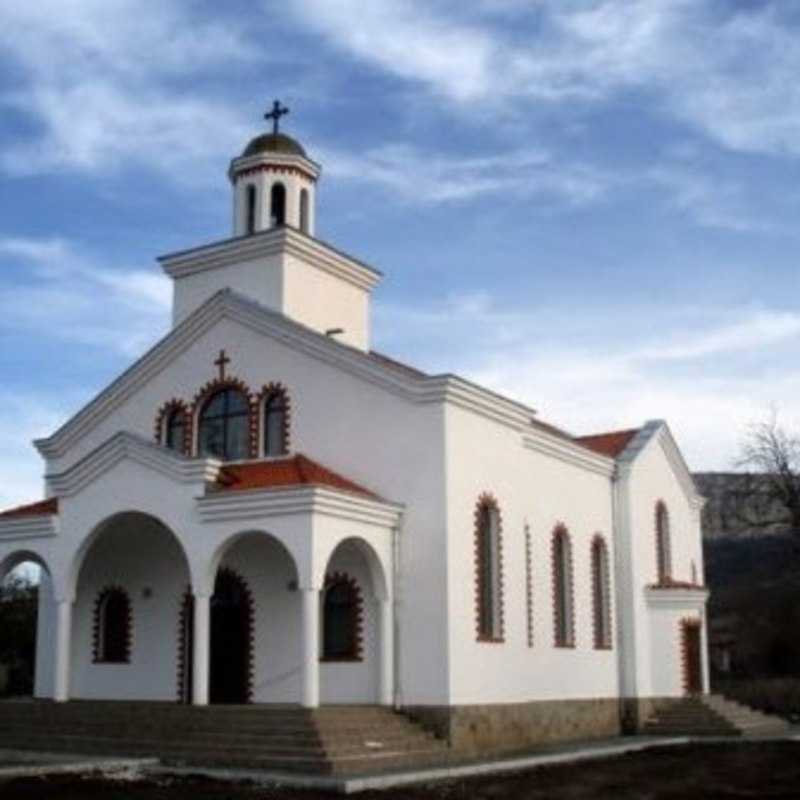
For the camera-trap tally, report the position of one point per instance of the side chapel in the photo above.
(263, 509)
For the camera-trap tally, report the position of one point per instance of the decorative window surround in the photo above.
(601, 595)
(355, 622)
(112, 645)
(663, 545)
(489, 622)
(267, 393)
(563, 588)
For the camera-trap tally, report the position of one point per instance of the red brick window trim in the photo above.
(563, 589)
(174, 426)
(489, 622)
(111, 629)
(529, 585)
(186, 647)
(663, 545)
(342, 619)
(601, 595)
(207, 394)
(273, 402)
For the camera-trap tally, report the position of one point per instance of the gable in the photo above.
(182, 362)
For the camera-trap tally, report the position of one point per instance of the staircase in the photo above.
(712, 715)
(330, 740)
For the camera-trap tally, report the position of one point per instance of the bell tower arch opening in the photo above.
(274, 182)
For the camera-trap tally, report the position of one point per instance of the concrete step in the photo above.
(328, 740)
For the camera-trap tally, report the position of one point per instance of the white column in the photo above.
(386, 622)
(63, 641)
(310, 610)
(201, 640)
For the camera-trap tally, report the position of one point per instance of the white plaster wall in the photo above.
(353, 682)
(260, 279)
(138, 555)
(653, 479)
(277, 648)
(538, 491)
(322, 301)
(666, 660)
(350, 425)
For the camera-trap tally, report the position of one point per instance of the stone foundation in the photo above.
(518, 726)
(636, 710)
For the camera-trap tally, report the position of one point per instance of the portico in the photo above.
(154, 527)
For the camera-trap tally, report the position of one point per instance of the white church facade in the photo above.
(262, 509)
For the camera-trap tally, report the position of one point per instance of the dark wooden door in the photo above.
(693, 657)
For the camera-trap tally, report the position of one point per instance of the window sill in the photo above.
(340, 660)
(565, 645)
(607, 647)
(109, 661)
(491, 640)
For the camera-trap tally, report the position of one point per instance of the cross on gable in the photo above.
(221, 363)
(277, 112)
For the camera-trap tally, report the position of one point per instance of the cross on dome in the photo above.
(275, 115)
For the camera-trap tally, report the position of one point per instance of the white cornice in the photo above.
(32, 527)
(229, 305)
(569, 452)
(125, 445)
(676, 598)
(259, 503)
(272, 242)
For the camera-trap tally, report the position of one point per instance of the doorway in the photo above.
(692, 656)
(231, 642)
(231, 639)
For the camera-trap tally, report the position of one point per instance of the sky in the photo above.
(591, 206)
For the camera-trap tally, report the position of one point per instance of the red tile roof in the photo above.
(608, 444)
(285, 472)
(32, 509)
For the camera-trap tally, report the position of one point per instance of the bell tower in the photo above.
(274, 182)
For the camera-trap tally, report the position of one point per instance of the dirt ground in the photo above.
(710, 772)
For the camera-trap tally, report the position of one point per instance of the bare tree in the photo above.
(771, 454)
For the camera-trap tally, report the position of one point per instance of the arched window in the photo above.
(341, 619)
(489, 571)
(278, 205)
(601, 595)
(663, 544)
(304, 210)
(563, 608)
(175, 430)
(251, 208)
(112, 627)
(224, 426)
(275, 423)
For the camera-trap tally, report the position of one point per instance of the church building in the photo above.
(264, 510)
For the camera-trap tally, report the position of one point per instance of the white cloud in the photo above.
(103, 80)
(729, 72)
(25, 419)
(708, 371)
(429, 177)
(62, 293)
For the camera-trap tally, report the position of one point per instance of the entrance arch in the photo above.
(255, 622)
(353, 624)
(138, 558)
(26, 598)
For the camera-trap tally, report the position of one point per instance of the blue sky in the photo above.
(592, 206)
